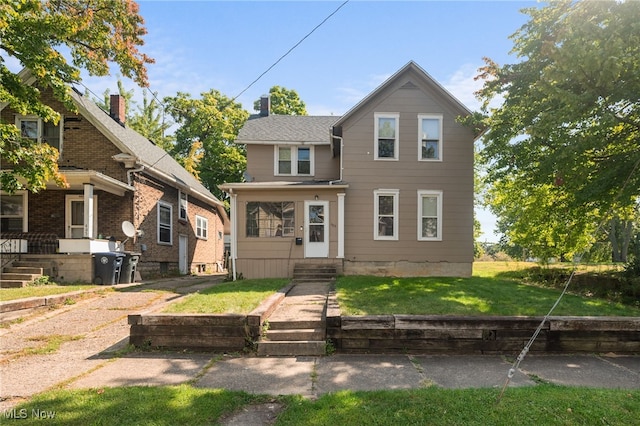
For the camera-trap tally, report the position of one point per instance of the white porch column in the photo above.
(341, 225)
(88, 231)
(234, 232)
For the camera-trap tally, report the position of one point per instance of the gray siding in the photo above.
(453, 176)
(260, 164)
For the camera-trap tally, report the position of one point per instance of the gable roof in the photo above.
(287, 129)
(430, 81)
(154, 159)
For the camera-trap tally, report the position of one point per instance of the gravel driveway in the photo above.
(88, 333)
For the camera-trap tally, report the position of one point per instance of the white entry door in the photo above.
(74, 216)
(316, 229)
(183, 254)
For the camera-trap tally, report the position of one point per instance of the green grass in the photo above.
(185, 405)
(7, 294)
(239, 297)
(539, 405)
(490, 291)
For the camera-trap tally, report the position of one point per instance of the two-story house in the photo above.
(115, 177)
(386, 189)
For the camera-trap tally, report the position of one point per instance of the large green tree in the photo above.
(93, 34)
(563, 149)
(284, 102)
(204, 139)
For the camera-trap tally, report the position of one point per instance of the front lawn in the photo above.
(52, 289)
(186, 405)
(239, 297)
(490, 291)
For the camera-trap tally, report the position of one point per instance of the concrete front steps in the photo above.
(21, 273)
(298, 325)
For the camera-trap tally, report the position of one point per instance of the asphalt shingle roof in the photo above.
(150, 155)
(287, 128)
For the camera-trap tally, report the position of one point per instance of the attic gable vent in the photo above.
(409, 85)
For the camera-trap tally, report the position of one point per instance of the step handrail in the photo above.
(9, 252)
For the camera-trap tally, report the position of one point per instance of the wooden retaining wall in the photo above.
(426, 334)
(482, 335)
(218, 333)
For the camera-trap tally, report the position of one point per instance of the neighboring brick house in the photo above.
(115, 175)
(385, 189)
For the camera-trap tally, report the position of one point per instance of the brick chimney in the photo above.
(265, 105)
(117, 108)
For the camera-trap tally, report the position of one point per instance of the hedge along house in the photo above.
(386, 189)
(114, 175)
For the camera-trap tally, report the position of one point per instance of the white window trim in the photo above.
(430, 193)
(20, 118)
(396, 195)
(396, 144)
(440, 141)
(294, 160)
(170, 207)
(186, 206)
(202, 223)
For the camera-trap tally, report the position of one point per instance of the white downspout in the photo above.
(130, 172)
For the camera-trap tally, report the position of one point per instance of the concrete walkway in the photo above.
(314, 376)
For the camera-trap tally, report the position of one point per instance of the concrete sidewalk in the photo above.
(314, 376)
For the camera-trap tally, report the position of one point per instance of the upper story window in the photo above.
(430, 215)
(385, 216)
(202, 227)
(429, 137)
(274, 219)
(165, 223)
(386, 136)
(183, 202)
(32, 127)
(294, 160)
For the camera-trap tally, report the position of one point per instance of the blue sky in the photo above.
(203, 45)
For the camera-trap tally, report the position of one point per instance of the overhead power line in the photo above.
(290, 50)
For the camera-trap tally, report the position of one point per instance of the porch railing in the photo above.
(10, 251)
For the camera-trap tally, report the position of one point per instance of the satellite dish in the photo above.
(128, 229)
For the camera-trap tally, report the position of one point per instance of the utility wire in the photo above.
(526, 348)
(290, 50)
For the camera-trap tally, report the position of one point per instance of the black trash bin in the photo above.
(128, 269)
(107, 267)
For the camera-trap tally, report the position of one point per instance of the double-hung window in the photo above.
(386, 136)
(429, 215)
(294, 161)
(165, 223)
(183, 202)
(32, 127)
(202, 227)
(429, 137)
(385, 216)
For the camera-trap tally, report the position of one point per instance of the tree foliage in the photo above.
(563, 149)
(284, 102)
(204, 139)
(36, 33)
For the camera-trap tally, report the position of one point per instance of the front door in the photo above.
(316, 229)
(74, 216)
